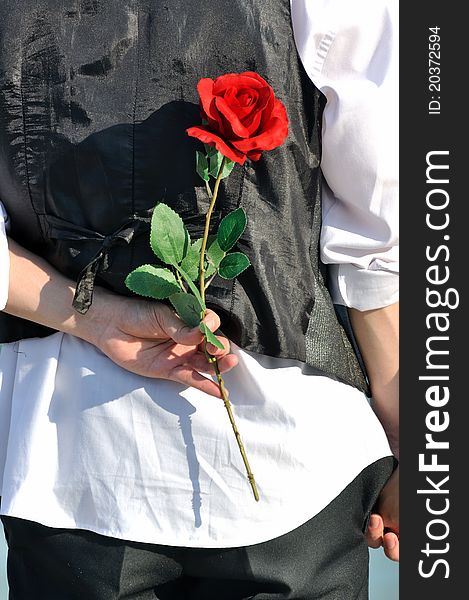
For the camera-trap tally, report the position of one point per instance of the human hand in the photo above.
(145, 337)
(383, 526)
(148, 338)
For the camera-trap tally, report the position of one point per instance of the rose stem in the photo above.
(208, 216)
(227, 403)
(212, 359)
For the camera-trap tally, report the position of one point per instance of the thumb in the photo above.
(174, 327)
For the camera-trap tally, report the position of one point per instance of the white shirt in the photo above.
(85, 444)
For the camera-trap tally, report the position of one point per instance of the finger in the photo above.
(375, 531)
(391, 546)
(213, 350)
(211, 319)
(186, 375)
(199, 363)
(181, 333)
(172, 326)
(226, 363)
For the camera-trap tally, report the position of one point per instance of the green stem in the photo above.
(207, 228)
(229, 410)
(212, 359)
(193, 289)
(209, 191)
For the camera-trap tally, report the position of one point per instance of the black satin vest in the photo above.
(95, 98)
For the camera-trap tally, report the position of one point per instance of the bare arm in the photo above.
(377, 334)
(145, 337)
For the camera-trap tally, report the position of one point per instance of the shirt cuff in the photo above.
(363, 289)
(4, 260)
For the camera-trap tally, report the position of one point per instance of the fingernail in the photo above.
(374, 522)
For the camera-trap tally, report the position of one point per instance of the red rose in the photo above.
(243, 116)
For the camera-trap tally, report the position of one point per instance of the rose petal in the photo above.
(256, 76)
(208, 137)
(241, 80)
(219, 127)
(255, 156)
(252, 122)
(269, 108)
(205, 90)
(246, 98)
(242, 101)
(250, 118)
(268, 140)
(273, 133)
(262, 112)
(232, 118)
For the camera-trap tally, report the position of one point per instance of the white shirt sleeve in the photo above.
(4, 259)
(350, 52)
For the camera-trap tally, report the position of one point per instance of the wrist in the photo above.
(92, 325)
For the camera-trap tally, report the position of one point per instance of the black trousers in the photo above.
(326, 558)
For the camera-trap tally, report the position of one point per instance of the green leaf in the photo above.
(215, 164)
(153, 282)
(231, 228)
(192, 287)
(169, 237)
(214, 255)
(211, 338)
(187, 307)
(191, 261)
(233, 264)
(210, 150)
(202, 166)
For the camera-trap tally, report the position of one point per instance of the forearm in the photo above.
(377, 335)
(38, 292)
(142, 336)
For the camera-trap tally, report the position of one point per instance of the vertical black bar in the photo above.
(435, 325)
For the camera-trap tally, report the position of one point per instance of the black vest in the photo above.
(95, 98)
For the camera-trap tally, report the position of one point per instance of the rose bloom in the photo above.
(243, 116)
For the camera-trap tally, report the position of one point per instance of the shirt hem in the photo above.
(185, 543)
